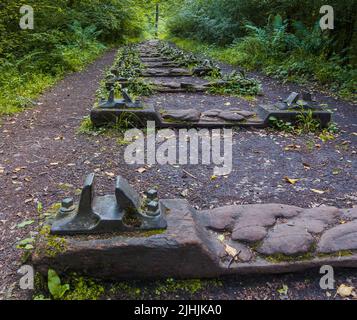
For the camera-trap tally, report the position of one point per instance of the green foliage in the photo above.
(139, 88)
(51, 245)
(83, 289)
(26, 244)
(86, 127)
(172, 286)
(128, 66)
(307, 123)
(281, 125)
(237, 84)
(55, 287)
(76, 288)
(67, 36)
(291, 46)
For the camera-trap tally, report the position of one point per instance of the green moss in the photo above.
(151, 233)
(162, 288)
(84, 289)
(278, 258)
(86, 127)
(127, 289)
(343, 253)
(40, 284)
(131, 219)
(80, 288)
(187, 286)
(52, 245)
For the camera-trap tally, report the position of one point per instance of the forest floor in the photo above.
(44, 159)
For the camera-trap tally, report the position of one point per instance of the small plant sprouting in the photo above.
(306, 122)
(236, 84)
(281, 125)
(55, 287)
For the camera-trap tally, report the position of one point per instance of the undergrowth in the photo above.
(251, 54)
(76, 287)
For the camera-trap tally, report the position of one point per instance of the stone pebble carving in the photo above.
(238, 239)
(287, 230)
(194, 115)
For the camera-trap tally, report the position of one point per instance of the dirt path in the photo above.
(41, 153)
(45, 160)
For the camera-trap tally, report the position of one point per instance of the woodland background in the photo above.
(279, 37)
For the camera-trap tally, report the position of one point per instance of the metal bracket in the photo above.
(125, 103)
(124, 211)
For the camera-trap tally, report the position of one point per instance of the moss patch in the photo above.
(51, 245)
(84, 289)
(80, 288)
(278, 258)
(343, 253)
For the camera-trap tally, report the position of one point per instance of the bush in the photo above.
(67, 36)
(291, 46)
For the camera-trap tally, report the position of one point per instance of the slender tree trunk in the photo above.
(157, 20)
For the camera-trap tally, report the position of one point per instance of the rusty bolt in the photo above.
(151, 194)
(67, 205)
(153, 208)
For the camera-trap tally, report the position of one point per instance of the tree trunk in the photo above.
(157, 20)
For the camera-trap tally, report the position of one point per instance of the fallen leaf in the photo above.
(221, 237)
(213, 177)
(306, 166)
(25, 244)
(110, 174)
(231, 251)
(24, 224)
(318, 191)
(291, 181)
(345, 291)
(292, 147)
(141, 170)
(336, 172)
(184, 193)
(284, 290)
(28, 247)
(39, 207)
